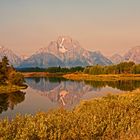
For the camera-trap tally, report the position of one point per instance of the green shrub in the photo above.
(16, 78)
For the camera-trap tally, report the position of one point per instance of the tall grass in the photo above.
(115, 117)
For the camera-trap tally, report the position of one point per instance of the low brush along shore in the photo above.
(103, 77)
(114, 117)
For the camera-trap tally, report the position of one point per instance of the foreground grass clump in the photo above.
(112, 117)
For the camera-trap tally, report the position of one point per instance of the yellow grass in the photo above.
(103, 77)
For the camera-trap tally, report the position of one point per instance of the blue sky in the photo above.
(111, 26)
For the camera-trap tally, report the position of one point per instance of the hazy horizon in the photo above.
(108, 26)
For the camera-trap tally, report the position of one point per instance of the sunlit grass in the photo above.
(114, 117)
(102, 77)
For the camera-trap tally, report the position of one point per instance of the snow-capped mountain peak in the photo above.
(64, 39)
(65, 52)
(61, 47)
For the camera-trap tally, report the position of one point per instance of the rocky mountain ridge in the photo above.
(67, 52)
(132, 54)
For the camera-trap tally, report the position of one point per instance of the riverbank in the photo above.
(103, 77)
(110, 117)
(41, 74)
(11, 88)
(82, 76)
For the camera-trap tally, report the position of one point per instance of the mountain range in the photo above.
(64, 52)
(131, 55)
(67, 52)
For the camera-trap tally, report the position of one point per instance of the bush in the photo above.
(16, 78)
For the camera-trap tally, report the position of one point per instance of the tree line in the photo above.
(64, 69)
(121, 68)
(53, 69)
(8, 75)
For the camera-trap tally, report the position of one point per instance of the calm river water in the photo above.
(44, 94)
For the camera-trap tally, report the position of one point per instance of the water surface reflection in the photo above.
(44, 94)
(9, 101)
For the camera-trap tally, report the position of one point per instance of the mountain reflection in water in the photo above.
(44, 94)
(68, 93)
(64, 92)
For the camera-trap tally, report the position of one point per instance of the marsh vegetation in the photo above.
(110, 117)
